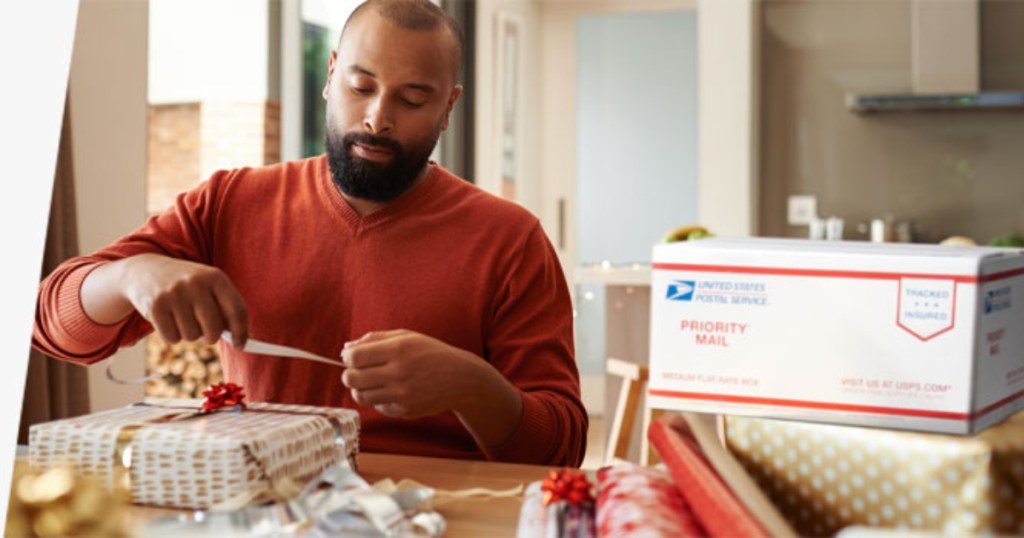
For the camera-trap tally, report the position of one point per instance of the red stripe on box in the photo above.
(828, 406)
(1001, 276)
(824, 273)
(996, 405)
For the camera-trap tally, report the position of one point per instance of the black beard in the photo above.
(367, 180)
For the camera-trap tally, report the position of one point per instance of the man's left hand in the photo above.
(409, 375)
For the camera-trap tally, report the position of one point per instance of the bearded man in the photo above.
(447, 305)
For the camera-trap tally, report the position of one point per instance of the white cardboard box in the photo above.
(917, 337)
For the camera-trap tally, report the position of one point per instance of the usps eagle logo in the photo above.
(680, 290)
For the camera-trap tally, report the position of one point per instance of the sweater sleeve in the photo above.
(64, 331)
(531, 343)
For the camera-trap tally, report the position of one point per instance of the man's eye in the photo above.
(412, 104)
(361, 91)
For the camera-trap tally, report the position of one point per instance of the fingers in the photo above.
(367, 355)
(385, 402)
(198, 305)
(366, 378)
(374, 336)
(235, 312)
(370, 397)
(185, 318)
(377, 386)
(208, 313)
(163, 320)
(370, 385)
(374, 348)
(394, 410)
(176, 320)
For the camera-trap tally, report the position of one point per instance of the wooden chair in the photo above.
(634, 380)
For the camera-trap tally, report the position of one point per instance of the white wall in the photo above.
(636, 162)
(558, 121)
(636, 144)
(728, 44)
(488, 163)
(557, 132)
(109, 134)
(208, 50)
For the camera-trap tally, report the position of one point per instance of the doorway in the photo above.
(619, 134)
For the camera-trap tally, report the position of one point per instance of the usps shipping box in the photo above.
(916, 337)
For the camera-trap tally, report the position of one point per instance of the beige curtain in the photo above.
(56, 389)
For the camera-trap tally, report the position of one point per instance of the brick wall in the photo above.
(190, 141)
(271, 132)
(173, 153)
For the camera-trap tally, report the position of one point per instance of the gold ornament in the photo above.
(57, 502)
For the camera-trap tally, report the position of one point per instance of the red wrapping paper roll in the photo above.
(713, 504)
(641, 501)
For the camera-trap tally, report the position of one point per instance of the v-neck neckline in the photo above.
(348, 216)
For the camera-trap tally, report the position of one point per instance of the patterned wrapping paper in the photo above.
(824, 478)
(642, 501)
(179, 458)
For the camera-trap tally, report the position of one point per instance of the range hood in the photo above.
(945, 50)
(924, 102)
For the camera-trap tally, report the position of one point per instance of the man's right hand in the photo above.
(183, 300)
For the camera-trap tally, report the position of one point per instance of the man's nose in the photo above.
(378, 118)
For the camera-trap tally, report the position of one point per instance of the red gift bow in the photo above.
(567, 485)
(223, 395)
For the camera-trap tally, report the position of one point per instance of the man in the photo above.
(447, 305)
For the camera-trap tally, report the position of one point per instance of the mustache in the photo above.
(372, 140)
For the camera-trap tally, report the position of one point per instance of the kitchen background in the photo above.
(949, 172)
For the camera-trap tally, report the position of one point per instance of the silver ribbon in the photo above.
(337, 502)
(136, 381)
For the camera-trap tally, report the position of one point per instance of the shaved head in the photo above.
(415, 15)
(390, 89)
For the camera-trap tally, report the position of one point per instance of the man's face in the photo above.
(389, 92)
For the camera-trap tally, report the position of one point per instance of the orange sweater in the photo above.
(446, 259)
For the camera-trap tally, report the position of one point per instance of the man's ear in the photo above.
(330, 71)
(456, 92)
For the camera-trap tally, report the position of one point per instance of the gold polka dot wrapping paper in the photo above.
(825, 477)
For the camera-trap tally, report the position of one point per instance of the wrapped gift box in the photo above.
(163, 452)
(824, 478)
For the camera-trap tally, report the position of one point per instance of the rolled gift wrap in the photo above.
(712, 501)
(641, 501)
(536, 520)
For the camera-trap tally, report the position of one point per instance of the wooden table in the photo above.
(483, 516)
(466, 517)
